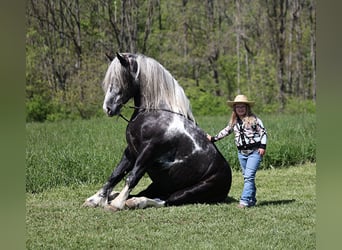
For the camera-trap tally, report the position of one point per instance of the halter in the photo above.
(142, 109)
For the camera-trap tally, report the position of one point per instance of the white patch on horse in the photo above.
(96, 200)
(119, 201)
(177, 125)
(168, 162)
(143, 202)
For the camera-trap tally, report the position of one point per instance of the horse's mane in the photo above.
(160, 89)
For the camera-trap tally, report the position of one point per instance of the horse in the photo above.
(163, 140)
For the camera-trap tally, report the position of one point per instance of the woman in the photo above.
(250, 139)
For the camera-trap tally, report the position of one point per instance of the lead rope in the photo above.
(124, 118)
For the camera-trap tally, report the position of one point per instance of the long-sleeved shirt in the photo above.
(249, 133)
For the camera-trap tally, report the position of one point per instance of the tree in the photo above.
(277, 11)
(312, 8)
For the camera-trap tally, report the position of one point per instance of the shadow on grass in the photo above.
(262, 203)
(277, 202)
(231, 200)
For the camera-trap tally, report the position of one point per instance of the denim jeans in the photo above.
(249, 165)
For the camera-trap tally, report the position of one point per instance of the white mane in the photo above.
(160, 89)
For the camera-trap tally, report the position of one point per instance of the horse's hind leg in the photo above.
(144, 202)
(152, 191)
(150, 197)
(202, 192)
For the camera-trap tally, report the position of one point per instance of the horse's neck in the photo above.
(138, 104)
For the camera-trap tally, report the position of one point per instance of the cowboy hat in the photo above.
(240, 99)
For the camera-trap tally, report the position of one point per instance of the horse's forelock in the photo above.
(114, 75)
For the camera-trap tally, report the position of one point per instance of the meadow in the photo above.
(68, 161)
(285, 218)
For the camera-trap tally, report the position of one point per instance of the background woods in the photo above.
(214, 48)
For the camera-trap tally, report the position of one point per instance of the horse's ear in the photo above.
(109, 56)
(123, 60)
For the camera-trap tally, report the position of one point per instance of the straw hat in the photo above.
(240, 99)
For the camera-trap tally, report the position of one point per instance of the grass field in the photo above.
(68, 161)
(283, 219)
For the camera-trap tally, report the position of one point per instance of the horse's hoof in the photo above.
(131, 203)
(89, 204)
(111, 208)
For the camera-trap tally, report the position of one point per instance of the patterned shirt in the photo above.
(249, 133)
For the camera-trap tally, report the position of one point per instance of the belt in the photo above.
(253, 146)
(247, 151)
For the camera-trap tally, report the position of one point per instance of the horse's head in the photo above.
(120, 83)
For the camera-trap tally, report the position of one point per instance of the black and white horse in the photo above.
(163, 141)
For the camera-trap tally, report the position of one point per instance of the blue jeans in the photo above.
(249, 165)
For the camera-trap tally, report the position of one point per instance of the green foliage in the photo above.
(204, 103)
(86, 151)
(201, 50)
(300, 106)
(37, 108)
(284, 218)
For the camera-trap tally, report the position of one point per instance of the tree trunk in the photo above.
(313, 46)
(238, 31)
(277, 11)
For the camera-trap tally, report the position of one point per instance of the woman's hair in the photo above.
(234, 116)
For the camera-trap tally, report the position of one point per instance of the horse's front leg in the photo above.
(101, 197)
(132, 180)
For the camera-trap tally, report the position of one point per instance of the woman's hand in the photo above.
(261, 151)
(209, 137)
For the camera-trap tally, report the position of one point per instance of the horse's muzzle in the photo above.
(113, 111)
(109, 112)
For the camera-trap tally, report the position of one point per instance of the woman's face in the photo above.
(240, 109)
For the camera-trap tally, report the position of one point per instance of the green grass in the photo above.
(86, 151)
(283, 219)
(68, 161)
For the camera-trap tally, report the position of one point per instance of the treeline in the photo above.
(214, 48)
